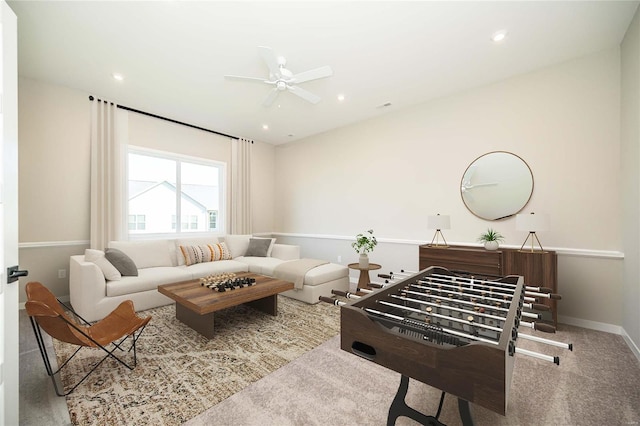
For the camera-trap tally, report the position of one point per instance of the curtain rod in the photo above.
(91, 98)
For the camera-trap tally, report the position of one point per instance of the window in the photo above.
(136, 222)
(163, 187)
(213, 219)
(188, 222)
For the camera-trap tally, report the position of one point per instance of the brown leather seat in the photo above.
(48, 314)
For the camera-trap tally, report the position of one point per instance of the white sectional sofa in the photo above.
(93, 295)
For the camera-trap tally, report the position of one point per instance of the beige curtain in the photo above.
(241, 186)
(107, 174)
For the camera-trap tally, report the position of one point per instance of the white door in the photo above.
(8, 216)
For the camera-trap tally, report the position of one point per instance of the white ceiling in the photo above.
(174, 54)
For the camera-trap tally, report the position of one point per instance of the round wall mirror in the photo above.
(496, 185)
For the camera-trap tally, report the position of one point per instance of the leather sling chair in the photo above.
(47, 313)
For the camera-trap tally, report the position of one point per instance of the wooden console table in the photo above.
(539, 269)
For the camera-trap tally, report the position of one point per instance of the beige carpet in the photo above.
(180, 374)
(596, 384)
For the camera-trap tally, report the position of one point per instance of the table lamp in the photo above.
(532, 223)
(438, 222)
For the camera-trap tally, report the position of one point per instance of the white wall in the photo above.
(54, 174)
(262, 187)
(391, 172)
(54, 166)
(630, 159)
(53, 182)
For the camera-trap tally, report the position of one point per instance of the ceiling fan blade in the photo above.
(273, 94)
(270, 58)
(314, 74)
(304, 94)
(240, 77)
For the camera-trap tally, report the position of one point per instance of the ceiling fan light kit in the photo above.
(283, 79)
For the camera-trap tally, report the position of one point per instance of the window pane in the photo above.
(200, 193)
(152, 193)
(213, 219)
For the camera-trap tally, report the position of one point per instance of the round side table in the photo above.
(363, 281)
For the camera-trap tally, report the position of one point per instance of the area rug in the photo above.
(180, 374)
(595, 385)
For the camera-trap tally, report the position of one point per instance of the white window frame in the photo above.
(222, 190)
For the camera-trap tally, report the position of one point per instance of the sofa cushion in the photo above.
(220, 252)
(273, 242)
(196, 254)
(194, 241)
(123, 263)
(238, 244)
(261, 265)
(324, 273)
(258, 247)
(97, 256)
(146, 254)
(204, 253)
(201, 270)
(147, 279)
(285, 251)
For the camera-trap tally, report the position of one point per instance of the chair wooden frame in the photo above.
(46, 313)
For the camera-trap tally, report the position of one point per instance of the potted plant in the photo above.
(491, 239)
(364, 243)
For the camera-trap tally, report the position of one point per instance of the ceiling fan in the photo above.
(282, 79)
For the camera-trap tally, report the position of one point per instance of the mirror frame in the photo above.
(517, 205)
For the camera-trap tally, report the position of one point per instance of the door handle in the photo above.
(13, 273)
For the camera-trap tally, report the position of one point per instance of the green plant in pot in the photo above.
(365, 242)
(491, 239)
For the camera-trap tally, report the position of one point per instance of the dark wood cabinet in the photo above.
(539, 269)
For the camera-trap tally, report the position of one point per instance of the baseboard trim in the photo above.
(634, 348)
(592, 325)
(63, 299)
(600, 326)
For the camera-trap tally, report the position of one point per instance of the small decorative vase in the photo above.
(363, 262)
(491, 245)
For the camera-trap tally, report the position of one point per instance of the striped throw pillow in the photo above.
(220, 251)
(196, 254)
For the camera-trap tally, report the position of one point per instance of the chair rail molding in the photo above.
(603, 254)
(44, 244)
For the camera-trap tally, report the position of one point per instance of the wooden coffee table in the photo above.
(196, 304)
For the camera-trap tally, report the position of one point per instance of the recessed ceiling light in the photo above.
(265, 127)
(499, 36)
(117, 76)
(341, 97)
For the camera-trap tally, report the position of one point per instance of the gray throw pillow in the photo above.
(258, 247)
(122, 262)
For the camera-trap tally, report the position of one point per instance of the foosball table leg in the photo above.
(465, 412)
(400, 408)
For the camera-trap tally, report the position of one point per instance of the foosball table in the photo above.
(456, 333)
